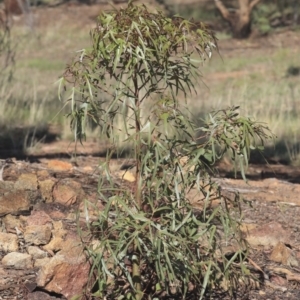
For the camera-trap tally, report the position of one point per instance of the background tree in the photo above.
(7, 50)
(239, 19)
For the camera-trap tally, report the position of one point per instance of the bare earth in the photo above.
(271, 213)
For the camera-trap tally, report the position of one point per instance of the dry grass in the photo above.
(252, 74)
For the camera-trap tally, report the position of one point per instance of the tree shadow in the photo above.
(278, 161)
(14, 141)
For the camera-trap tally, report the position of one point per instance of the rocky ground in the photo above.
(41, 254)
(40, 247)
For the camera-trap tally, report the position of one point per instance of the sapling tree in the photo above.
(160, 237)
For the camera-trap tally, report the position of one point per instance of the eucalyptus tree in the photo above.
(159, 237)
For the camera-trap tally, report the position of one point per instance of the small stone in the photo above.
(126, 175)
(39, 217)
(67, 192)
(36, 252)
(88, 169)
(37, 234)
(282, 254)
(46, 188)
(268, 235)
(30, 286)
(42, 174)
(58, 165)
(262, 293)
(41, 262)
(58, 237)
(17, 260)
(14, 202)
(8, 242)
(27, 181)
(11, 222)
(64, 194)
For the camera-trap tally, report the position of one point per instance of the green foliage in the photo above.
(262, 15)
(144, 56)
(229, 132)
(162, 236)
(205, 11)
(178, 233)
(270, 15)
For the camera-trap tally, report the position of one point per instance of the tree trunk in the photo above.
(296, 12)
(239, 20)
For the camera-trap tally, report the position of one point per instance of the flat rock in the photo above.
(15, 202)
(11, 222)
(46, 188)
(58, 237)
(72, 248)
(37, 234)
(58, 165)
(8, 242)
(267, 190)
(6, 186)
(60, 276)
(39, 217)
(55, 211)
(67, 192)
(284, 255)
(17, 260)
(268, 235)
(27, 181)
(42, 175)
(41, 262)
(36, 252)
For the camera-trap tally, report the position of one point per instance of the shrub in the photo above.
(163, 236)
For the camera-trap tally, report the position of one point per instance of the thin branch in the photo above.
(221, 7)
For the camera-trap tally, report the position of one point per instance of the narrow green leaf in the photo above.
(205, 280)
